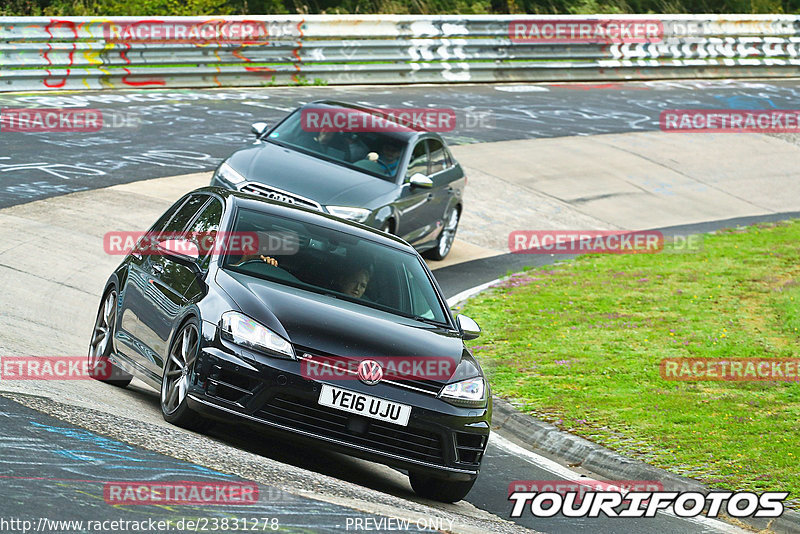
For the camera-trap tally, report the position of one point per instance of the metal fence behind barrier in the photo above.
(71, 53)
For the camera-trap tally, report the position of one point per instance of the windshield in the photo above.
(377, 153)
(336, 264)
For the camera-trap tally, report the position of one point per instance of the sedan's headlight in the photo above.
(351, 214)
(229, 175)
(244, 331)
(469, 393)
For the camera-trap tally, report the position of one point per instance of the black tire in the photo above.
(178, 367)
(102, 343)
(439, 489)
(446, 238)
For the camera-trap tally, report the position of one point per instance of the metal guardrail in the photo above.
(71, 53)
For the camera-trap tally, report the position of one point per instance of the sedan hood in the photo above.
(327, 325)
(307, 176)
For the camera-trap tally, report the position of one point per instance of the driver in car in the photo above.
(386, 162)
(353, 282)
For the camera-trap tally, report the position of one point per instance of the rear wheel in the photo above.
(101, 345)
(446, 238)
(438, 489)
(178, 367)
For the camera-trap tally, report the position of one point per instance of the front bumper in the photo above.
(443, 440)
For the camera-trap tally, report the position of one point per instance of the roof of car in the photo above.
(309, 215)
(413, 129)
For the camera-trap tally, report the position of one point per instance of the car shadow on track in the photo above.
(286, 450)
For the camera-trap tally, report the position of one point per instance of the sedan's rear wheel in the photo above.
(101, 345)
(438, 489)
(178, 369)
(446, 238)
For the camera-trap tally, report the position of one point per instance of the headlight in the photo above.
(469, 393)
(246, 332)
(229, 175)
(351, 214)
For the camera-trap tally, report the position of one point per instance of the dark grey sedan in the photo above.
(401, 180)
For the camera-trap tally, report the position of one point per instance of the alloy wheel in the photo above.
(448, 234)
(178, 367)
(103, 330)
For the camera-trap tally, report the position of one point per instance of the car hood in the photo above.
(307, 176)
(323, 324)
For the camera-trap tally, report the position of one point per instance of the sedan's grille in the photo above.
(272, 193)
(428, 386)
(401, 441)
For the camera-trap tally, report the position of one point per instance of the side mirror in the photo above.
(258, 128)
(420, 180)
(183, 251)
(469, 327)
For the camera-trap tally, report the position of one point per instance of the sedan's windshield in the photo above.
(336, 264)
(377, 153)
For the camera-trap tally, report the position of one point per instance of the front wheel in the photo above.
(178, 368)
(446, 238)
(438, 489)
(101, 345)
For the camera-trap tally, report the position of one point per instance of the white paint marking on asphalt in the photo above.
(521, 88)
(568, 474)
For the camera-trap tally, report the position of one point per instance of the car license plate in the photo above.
(373, 407)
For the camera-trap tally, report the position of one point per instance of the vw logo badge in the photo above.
(370, 372)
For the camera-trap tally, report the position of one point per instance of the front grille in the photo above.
(405, 442)
(428, 386)
(272, 193)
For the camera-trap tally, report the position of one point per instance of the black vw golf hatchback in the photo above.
(317, 328)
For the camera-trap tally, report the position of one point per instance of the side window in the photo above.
(162, 221)
(450, 161)
(185, 214)
(420, 304)
(419, 160)
(204, 230)
(438, 156)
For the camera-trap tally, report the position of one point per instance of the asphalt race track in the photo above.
(164, 133)
(58, 450)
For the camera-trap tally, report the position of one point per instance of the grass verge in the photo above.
(579, 344)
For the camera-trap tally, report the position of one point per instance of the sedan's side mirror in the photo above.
(469, 327)
(258, 128)
(420, 180)
(183, 251)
